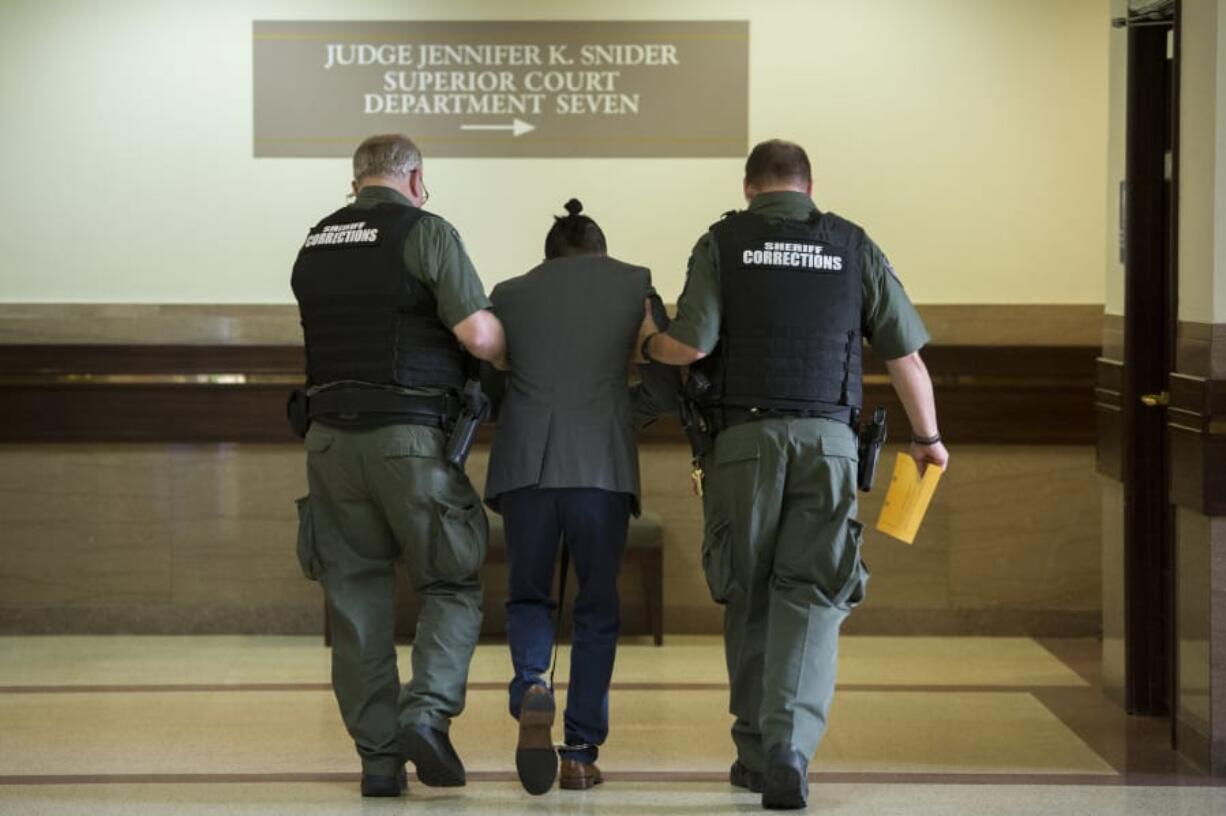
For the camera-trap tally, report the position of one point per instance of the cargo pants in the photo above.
(378, 496)
(781, 552)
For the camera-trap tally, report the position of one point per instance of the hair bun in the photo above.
(574, 206)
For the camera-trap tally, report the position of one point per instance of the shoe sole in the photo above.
(385, 787)
(431, 769)
(536, 761)
(784, 789)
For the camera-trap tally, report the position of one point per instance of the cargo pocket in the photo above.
(734, 462)
(717, 563)
(308, 552)
(852, 592)
(317, 440)
(457, 551)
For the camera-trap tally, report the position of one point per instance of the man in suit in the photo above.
(564, 468)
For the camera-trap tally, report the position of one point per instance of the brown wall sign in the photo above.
(533, 89)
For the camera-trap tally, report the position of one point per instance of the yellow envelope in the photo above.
(907, 499)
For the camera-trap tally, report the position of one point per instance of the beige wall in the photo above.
(1202, 174)
(1202, 142)
(1117, 88)
(1219, 163)
(968, 134)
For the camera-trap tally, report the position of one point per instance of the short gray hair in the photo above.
(391, 155)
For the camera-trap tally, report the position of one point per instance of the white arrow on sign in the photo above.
(518, 127)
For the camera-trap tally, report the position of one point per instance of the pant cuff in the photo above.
(580, 753)
(435, 721)
(519, 687)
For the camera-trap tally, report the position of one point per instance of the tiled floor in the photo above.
(687, 798)
(136, 725)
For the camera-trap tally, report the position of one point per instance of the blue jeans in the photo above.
(592, 524)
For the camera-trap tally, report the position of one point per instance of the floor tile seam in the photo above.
(994, 779)
(1074, 728)
(1047, 645)
(159, 688)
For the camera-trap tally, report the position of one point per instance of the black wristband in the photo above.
(645, 349)
(926, 440)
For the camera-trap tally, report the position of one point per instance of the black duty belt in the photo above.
(439, 411)
(727, 416)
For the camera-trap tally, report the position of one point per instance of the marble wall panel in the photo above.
(1014, 324)
(1194, 349)
(70, 564)
(200, 538)
(235, 526)
(1112, 493)
(166, 619)
(1217, 644)
(1026, 528)
(1200, 349)
(914, 576)
(236, 562)
(1192, 618)
(1217, 357)
(964, 324)
(665, 472)
(84, 527)
(1113, 337)
(138, 323)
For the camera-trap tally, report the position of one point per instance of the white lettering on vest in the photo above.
(792, 256)
(354, 233)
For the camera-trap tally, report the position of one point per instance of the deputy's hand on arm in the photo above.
(663, 348)
(646, 329)
(914, 387)
(659, 386)
(482, 334)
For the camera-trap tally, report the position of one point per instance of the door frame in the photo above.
(1150, 321)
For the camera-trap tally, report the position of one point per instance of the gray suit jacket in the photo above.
(567, 417)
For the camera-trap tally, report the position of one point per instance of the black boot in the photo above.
(374, 785)
(739, 776)
(786, 781)
(431, 752)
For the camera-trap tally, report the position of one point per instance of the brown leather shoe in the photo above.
(536, 761)
(578, 775)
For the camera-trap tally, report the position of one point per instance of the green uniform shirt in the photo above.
(891, 323)
(435, 256)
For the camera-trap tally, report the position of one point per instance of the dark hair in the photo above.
(574, 234)
(777, 161)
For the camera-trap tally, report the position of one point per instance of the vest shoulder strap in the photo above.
(725, 217)
(839, 229)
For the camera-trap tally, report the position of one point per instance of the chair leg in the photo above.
(327, 625)
(653, 588)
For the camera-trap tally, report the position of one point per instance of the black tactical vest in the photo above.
(364, 316)
(790, 333)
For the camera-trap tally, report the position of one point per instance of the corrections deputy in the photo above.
(777, 300)
(389, 303)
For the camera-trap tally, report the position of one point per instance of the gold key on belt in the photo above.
(696, 478)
